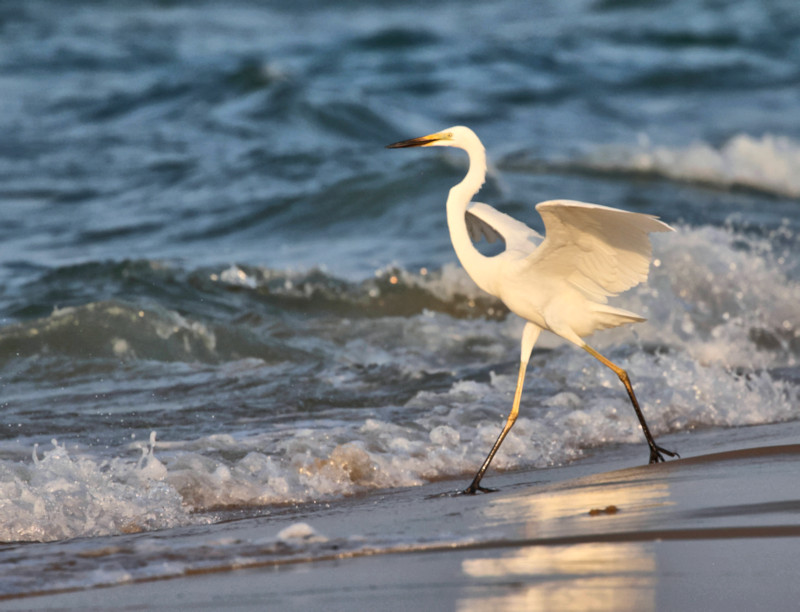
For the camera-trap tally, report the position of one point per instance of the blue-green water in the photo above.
(202, 236)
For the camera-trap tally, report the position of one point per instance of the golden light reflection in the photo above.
(571, 511)
(577, 559)
(593, 576)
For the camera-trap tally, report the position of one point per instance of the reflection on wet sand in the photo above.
(597, 576)
(573, 511)
(593, 575)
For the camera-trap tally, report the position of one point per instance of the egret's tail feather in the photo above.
(607, 316)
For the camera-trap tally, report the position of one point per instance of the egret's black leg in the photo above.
(655, 450)
(475, 485)
(530, 333)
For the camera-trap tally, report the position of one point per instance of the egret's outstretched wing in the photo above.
(483, 220)
(601, 251)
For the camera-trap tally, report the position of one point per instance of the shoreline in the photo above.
(620, 527)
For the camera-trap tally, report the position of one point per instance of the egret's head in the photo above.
(457, 136)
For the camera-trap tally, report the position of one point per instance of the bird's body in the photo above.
(560, 282)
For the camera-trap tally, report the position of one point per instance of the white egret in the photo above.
(559, 282)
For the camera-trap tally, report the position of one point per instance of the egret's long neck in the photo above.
(457, 202)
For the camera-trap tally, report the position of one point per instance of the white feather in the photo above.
(600, 250)
(483, 220)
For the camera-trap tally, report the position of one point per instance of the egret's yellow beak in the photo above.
(422, 141)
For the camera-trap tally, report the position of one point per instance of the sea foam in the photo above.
(722, 321)
(769, 163)
(65, 495)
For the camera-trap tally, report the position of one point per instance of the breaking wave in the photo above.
(391, 381)
(769, 164)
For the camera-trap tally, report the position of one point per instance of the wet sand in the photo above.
(716, 530)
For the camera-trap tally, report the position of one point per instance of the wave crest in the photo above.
(770, 164)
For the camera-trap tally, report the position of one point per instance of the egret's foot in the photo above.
(474, 488)
(656, 456)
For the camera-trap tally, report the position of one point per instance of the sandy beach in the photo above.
(717, 530)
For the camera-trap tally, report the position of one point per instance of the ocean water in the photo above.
(220, 295)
